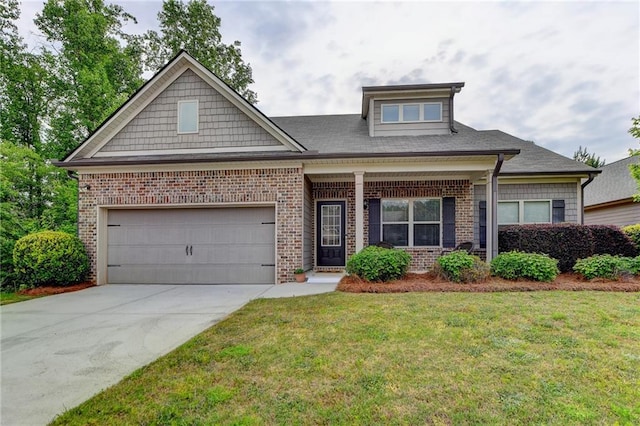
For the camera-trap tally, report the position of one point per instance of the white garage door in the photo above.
(192, 246)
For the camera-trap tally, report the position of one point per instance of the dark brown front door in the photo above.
(331, 233)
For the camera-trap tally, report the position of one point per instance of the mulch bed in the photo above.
(430, 282)
(46, 291)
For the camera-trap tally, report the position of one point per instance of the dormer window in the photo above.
(412, 112)
(188, 116)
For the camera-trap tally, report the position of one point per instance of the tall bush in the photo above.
(565, 242)
(49, 258)
(379, 264)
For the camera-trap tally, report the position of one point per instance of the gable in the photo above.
(222, 126)
(147, 124)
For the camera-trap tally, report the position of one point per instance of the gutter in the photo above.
(453, 91)
(494, 205)
(582, 186)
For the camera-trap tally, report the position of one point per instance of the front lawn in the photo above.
(7, 297)
(415, 358)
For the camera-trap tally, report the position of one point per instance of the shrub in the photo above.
(379, 264)
(565, 242)
(633, 232)
(513, 265)
(611, 240)
(461, 267)
(49, 258)
(607, 266)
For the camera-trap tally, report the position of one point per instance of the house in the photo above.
(188, 183)
(609, 199)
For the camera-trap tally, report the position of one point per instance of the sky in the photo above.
(562, 74)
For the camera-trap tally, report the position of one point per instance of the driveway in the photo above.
(58, 351)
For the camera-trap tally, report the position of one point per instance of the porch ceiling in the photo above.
(397, 176)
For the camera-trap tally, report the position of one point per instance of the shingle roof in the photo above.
(330, 134)
(615, 183)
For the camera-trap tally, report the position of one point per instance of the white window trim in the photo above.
(197, 116)
(400, 106)
(521, 211)
(411, 222)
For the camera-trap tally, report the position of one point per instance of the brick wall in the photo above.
(212, 187)
(423, 257)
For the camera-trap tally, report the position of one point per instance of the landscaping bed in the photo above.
(430, 282)
(49, 290)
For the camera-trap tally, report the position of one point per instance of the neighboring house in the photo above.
(188, 183)
(608, 200)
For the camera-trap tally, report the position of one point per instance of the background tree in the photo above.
(91, 72)
(583, 156)
(194, 27)
(635, 168)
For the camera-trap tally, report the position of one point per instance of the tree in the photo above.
(635, 168)
(194, 27)
(91, 72)
(583, 156)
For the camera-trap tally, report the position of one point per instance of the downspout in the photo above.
(582, 186)
(494, 206)
(453, 91)
(75, 177)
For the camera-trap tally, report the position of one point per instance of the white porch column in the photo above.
(489, 195)
(359, 210)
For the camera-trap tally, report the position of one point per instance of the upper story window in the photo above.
(412, 112)
(520, 212)
(188, 116)
(411, 223)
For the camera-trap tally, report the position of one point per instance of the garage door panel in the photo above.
(174, 246)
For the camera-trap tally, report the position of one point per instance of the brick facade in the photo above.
(423, 257)
(284, 187)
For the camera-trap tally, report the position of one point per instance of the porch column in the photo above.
(359, 210)
(490, 213)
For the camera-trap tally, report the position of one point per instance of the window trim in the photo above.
(186, 101)
(400, 105)
(521, 204)
(410, 222)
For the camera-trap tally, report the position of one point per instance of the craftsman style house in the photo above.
(189, 183)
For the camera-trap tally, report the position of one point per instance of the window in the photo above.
(188, 116)
(432, 112)
(518, 212)
(411, 223)
(411, 113)
(331, 226)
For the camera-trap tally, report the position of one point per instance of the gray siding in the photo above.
(411, 129)
(623, 215)
(530, 191)
(221, 125)
(307, 244)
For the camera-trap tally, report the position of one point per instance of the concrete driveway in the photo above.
(58, 351)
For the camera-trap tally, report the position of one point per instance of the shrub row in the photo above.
(379, 264)
(566, 242)
(49, 258)
(607, 266)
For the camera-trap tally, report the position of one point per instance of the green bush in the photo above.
(514, 264)
(461, 267)
(49, 258)
(379, 264)
(633, 232)
(607, 266)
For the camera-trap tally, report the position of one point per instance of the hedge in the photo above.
(633, 232)
(565, 242)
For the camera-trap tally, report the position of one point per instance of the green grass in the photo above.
(568, 358)
(7, 297)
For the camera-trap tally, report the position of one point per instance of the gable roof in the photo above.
(153, 87)
(614, 184)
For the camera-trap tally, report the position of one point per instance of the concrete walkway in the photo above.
(58, 351)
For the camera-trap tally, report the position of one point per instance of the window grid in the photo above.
(331, 226)
(395, 113)
(522, 211)
(411, 222)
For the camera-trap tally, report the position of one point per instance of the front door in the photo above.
(331, 233)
